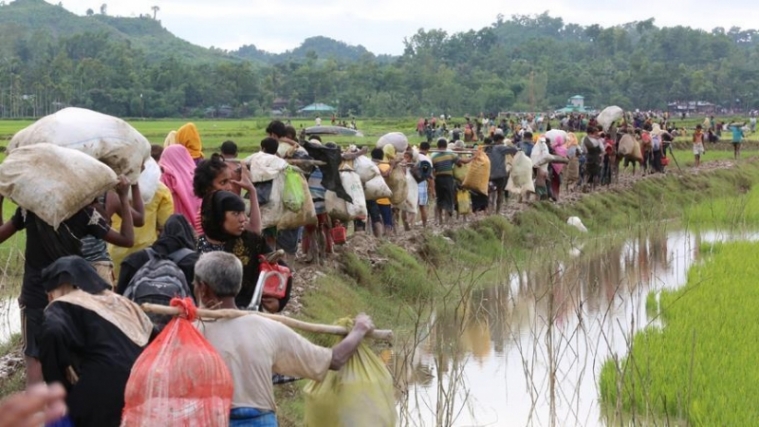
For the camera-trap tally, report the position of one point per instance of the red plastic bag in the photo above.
(275, 278)
(664, 161)
(179, 380)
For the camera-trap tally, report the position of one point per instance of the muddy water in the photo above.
(529, 352)
(10, 319)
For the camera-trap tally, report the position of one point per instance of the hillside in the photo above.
(324, 47)
(27, 19)
(134, 67)
(34, 19)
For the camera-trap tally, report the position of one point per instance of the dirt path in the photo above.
(365, 245)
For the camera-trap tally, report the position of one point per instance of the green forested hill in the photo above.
(26, 22)
(326, 47)
(134, 67)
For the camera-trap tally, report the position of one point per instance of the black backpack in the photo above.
(422, 171)
(158, 281)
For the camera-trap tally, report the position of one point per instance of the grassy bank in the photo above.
(401, 289)
(701, 365)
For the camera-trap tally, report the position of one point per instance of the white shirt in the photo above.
(253, 347)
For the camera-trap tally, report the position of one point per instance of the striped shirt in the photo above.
(317, 190)
(94, 249)
(442, 163)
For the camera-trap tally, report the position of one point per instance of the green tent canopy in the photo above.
(316, 108)
(572, 109)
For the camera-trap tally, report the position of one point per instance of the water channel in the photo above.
(529, 352)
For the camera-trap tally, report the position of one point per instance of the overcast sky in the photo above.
(381, 25)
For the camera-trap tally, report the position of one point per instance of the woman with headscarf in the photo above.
(558, 147)
(90, 339)
(178, 173)
(177, 235)
(189, 137)
(226, 228)
(658, 136)
(171, 139)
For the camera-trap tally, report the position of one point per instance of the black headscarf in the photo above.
(213, 213)
(331, 171)
(177, 234)
(73, 270)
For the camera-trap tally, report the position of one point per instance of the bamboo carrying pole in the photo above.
(305, 162)
(454, 151)
(377, 334)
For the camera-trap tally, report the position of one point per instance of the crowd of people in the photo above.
(79, 322)
(197, 237)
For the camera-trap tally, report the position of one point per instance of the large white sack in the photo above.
(338, 208)
(149, 179)
(396, 139)
(366, 168)
(412, 198)
(539, 154)
(106, 138)
(520, 179)
(53, 182)
(265, 167)
(377, 188)
(556, 134)
(609, 115)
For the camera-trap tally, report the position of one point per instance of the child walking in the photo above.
(698, 145)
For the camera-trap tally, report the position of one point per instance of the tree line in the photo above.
(525, 63)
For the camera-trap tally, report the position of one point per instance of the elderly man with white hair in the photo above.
(254, 347)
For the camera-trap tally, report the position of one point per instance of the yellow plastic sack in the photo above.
(459, 172)
(464, 201)
(360, 394)
(398, 184)
(478, 176)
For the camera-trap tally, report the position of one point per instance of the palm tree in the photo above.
(155, 10)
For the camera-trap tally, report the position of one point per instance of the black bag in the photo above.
(263, 191)
(422, 171)
(158, 281)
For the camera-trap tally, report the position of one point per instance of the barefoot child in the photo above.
(698, 144)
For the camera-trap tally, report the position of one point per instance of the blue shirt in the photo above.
(737, 133)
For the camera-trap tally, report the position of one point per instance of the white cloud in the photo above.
(380, 26)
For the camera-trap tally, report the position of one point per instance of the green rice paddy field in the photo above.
(701, 365)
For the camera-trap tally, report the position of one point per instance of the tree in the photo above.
(103, 9)
(593, 32)
(90, 12)
(155, 10)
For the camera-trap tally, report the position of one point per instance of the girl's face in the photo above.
(234, 222)
(407, 157)
(223, 180)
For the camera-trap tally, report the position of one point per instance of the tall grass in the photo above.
(702, 365)
(732, 212)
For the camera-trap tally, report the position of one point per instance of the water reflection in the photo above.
(530, 353)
